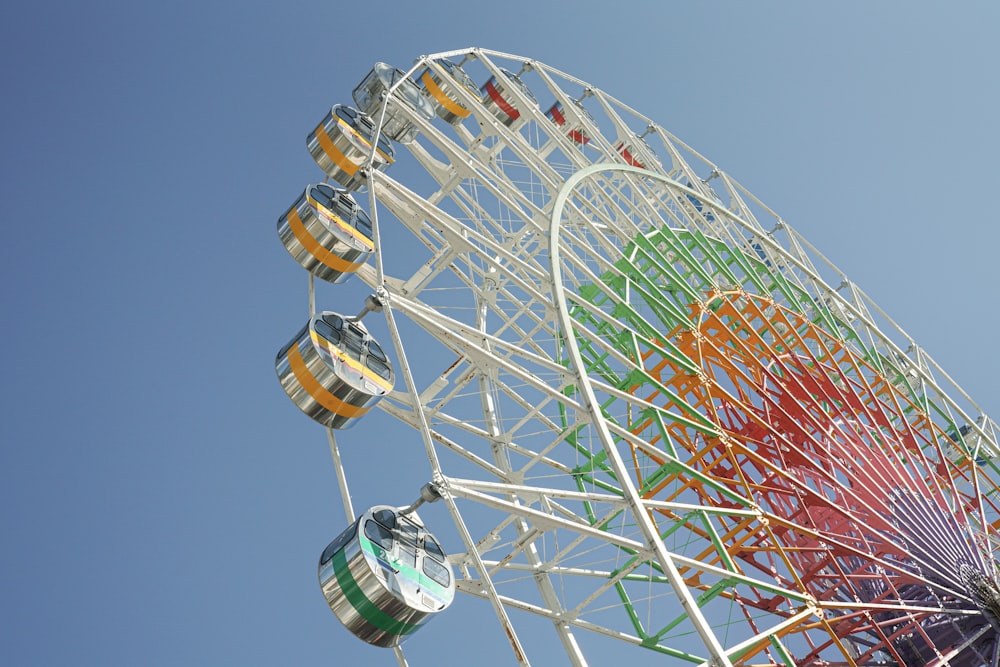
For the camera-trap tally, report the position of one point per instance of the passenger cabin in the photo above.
(327, 233)
(342, 142)
(637, 153)
(406, 100)
(440, 81)
(575, 131)
(385, 576)
(334, 370)
(499, 100)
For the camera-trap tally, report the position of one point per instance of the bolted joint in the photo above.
(430, 492)
(372, 304)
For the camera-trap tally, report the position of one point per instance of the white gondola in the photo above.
(342, 142)
(406, 100)
(385, 576)
(327, 233)
(334, 370)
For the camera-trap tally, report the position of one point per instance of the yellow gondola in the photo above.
(342, 142)
(327, 233)
(334, 370)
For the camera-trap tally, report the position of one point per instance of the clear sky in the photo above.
(163, 502)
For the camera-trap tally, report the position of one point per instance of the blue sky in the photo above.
(163, 502)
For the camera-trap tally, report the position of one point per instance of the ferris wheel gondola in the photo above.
(385, 576)
(499, 100)
(327, 233)
(440, 81)
(334, 370)
(397, 126)
(342, 142)
(576, 131)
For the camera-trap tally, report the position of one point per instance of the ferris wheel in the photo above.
(662, 417)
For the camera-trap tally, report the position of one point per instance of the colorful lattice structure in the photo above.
(863, 505)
